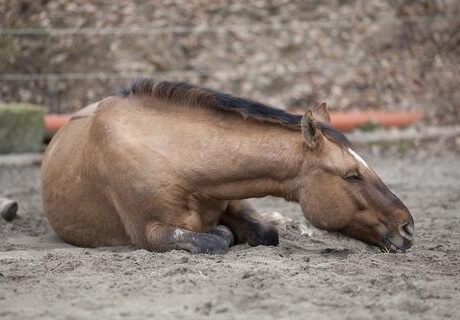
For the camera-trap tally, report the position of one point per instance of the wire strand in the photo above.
(299, 25)
(279, 69)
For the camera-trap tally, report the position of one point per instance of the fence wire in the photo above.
(125, 30)
(120, 31)
(268, 69)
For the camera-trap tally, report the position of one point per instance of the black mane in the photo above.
(190, 95)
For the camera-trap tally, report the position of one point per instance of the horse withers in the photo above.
(165, 165)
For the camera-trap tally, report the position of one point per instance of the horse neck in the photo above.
(256, 160)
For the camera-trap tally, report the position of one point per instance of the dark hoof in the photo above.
(266, 235)
(224, 233)
(209, 244)
(8, 209)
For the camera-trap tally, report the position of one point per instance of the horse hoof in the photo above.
(264, 236)
(225, 234)
(8, 209)
(209, 244)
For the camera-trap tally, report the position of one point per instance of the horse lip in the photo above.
(392, 247)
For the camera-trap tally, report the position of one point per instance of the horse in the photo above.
(168, 165)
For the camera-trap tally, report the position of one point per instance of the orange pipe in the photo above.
(344, 121)
(348, 121)
(395, 119)
(54, 122)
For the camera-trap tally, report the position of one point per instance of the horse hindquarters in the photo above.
(73, 198)
(103, 186)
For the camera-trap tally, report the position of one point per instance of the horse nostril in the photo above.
(406, 230)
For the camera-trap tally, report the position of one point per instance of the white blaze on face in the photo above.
(357, 157)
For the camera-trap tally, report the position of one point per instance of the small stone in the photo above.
(8, 209)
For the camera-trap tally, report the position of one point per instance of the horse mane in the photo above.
(182, 93)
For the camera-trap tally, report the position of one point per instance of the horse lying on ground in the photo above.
(166, 165)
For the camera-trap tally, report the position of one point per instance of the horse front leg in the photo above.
(248, 225)
(163, 237)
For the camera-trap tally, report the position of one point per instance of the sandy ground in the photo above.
(316, 275)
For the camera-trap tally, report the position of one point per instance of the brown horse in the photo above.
(167, 165)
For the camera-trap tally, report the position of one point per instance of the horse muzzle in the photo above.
(400, 242)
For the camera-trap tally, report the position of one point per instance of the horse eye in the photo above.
(353, 177)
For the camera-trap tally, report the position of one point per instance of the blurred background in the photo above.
(395, 55)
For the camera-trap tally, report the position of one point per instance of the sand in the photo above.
(315, 275)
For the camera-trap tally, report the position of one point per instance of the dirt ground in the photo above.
(314, 275)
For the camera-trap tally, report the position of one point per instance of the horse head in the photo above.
(340, 192)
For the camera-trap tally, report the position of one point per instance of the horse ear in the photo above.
(321, 113)
(310, 130)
